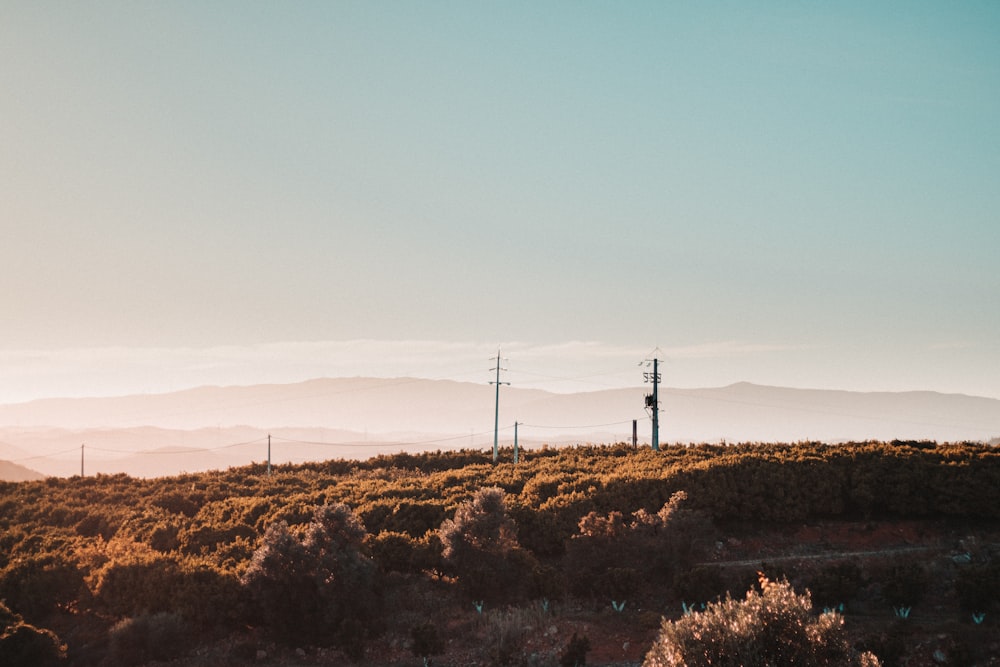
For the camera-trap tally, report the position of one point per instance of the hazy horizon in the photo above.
(239, 193)
(362, 417)
(571, 367)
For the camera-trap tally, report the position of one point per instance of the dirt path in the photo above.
(829, 555)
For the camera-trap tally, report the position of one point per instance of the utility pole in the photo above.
(268, 454)
(515, 443)
(496, 414)
(653, 400)
(81, 458)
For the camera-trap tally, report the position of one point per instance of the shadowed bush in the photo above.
(481, 548)
(609, 556)
(320, 588)
(24, 645)
(138, 640)
(35, 586)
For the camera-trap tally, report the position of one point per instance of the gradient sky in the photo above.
(801, 194)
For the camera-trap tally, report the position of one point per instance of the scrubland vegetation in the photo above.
(112, 570)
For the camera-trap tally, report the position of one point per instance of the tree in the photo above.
(481, 548)
(773, 627)
(319, 587)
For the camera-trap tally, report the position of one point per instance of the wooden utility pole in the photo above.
(515, 443)
(653, 401)
(496, 413)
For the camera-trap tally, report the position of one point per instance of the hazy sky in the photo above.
(803, 194)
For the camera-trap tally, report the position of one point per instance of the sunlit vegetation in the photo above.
(772, 626)
(117, 570)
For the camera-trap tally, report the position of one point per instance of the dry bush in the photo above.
(506, 632)
(773, 627)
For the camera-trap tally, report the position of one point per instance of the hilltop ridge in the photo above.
(360, 417)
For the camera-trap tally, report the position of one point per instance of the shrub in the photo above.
(35, 586)
(978, 587)
(609, 555)
(701, 583)
(319, 588)
(836, 584)
(138, 585)
(24, 645)
(773, 627)
(137, 640)
(576, 651)
(178, 503)
(904, 584)
(426, 642)
(94, 525)
(280, 581)
(480, 546)
(482, 524)
(545, 582)
(506, 631)
(207, 598)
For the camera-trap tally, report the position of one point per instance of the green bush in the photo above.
(773, 627)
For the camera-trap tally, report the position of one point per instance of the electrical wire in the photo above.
(832, 413)
(384, 444)
(45, 456)
(621, 423)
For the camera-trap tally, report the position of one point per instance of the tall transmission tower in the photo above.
(496, 414)
(653, 399)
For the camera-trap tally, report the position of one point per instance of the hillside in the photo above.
(12, 472)
(201, 569)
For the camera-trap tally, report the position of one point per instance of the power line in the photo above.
(834, 413)
(384, 444)
(45, 456)
(627, 421)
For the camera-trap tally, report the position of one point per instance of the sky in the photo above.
(795, 194)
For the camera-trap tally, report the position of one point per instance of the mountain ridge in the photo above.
(360, 417)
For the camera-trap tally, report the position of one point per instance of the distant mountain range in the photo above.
(212, 427)
(11, 472)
